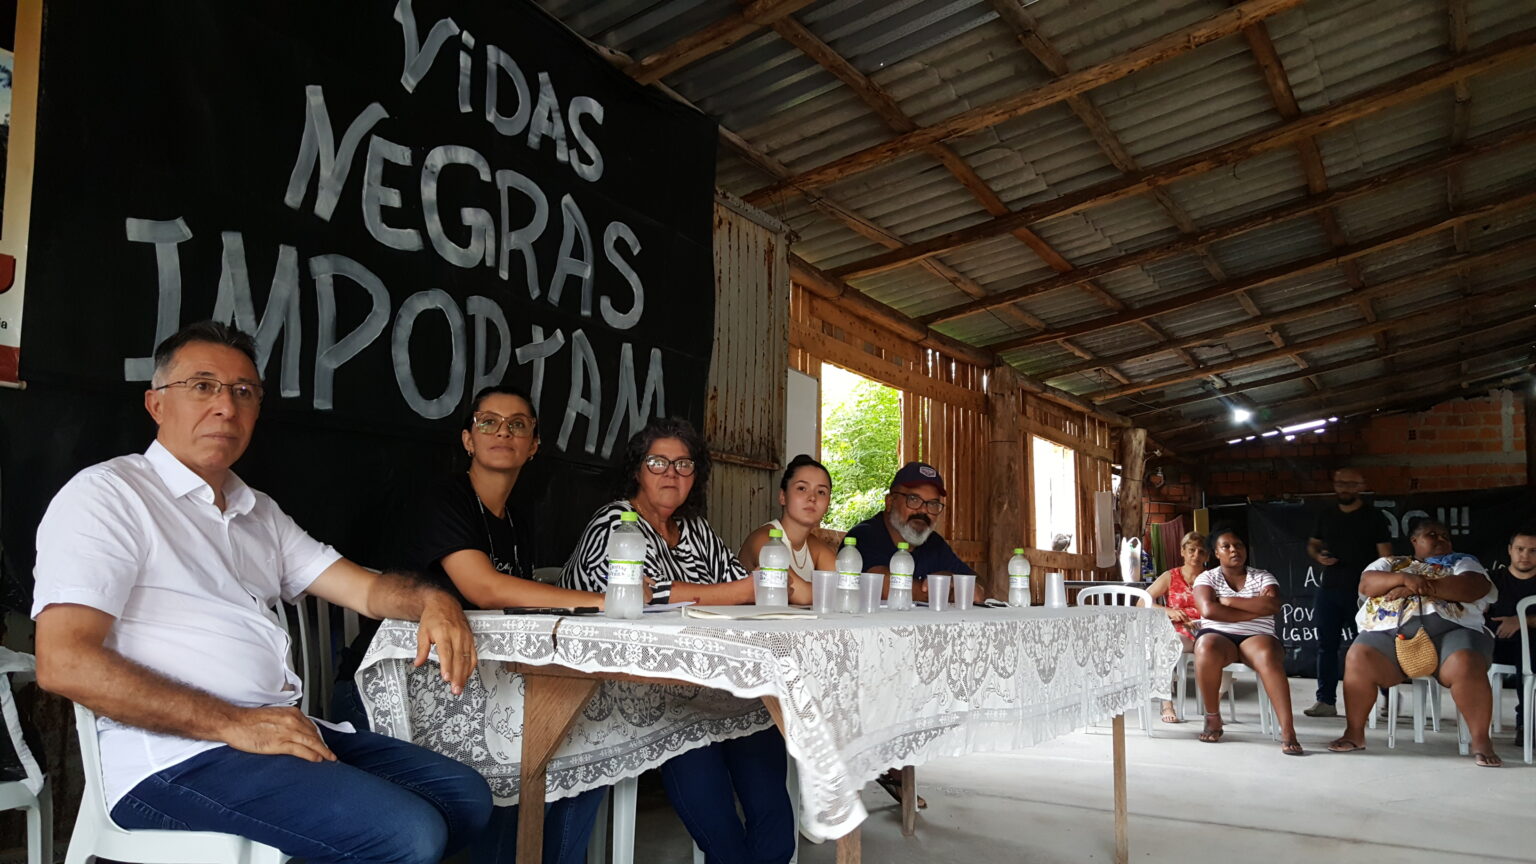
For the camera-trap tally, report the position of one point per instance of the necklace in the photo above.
(485, 522)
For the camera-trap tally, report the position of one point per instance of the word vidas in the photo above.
(479, 315)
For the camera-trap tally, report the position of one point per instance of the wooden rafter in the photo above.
(1423, 395)
(1440, 311)
(1436, 365)
(1520, 198)
(714, 38)
(1480, 146)
(873, 95)
(1180, 42)
(1452, 265)
(1509, 49)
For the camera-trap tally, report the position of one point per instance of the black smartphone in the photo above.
(550, 610)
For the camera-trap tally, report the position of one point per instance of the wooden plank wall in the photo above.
(945, 423)
(744, 421)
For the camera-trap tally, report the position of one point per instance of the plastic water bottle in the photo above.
(1018, 579)
(773, 571)
(849, 565)
(899, 594)
(625, 596)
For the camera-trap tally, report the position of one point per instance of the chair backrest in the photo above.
(95, 797)
(1113, 595)
(1523, 615)
(301, 649)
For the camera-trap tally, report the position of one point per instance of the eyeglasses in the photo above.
(934, 506)
(489, 423)
(660, 464)
(206, 389)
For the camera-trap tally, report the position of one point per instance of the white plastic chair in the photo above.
(302, 653)
(97, 836)
(1497, 672)
(622, 803)
(1120, 595)
(1527, 676)
(32, 794)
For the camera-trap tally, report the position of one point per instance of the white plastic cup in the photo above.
(870, 585)
(1055, 591)
(965, 590)
(938, 592)
(823, 591)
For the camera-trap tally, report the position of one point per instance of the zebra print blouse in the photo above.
(699, 557)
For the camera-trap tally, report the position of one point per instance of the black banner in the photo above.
(403, 203)
(1480, 522)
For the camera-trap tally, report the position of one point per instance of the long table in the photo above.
(560, 705)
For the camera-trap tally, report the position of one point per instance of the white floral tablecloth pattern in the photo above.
(859, 694)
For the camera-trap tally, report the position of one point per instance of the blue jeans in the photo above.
(701, 784)
(383, 800)
(1333, 612)
(567, 828)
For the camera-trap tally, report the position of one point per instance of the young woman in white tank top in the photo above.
(805, 491)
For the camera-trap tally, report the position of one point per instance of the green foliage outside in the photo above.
(860, 439)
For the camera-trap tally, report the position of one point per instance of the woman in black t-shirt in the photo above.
(473, 539)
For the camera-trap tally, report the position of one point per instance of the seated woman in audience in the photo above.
(664, 476)
(1237, 623)
(1436, 591)
(805, 491)
(477, 543)
(1180, 603)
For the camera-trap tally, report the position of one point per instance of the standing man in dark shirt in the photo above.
(1514, 583)
(1347, 537)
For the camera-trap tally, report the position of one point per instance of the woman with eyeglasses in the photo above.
(805, 492)
(477, 542)
(665, 473)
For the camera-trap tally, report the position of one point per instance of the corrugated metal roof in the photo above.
(936, 58)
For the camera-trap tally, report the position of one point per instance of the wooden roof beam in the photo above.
(1442, 311)
(1509, 49)
(712, 39)
(1180, 42)
(1430, 366)
(873, 95)
(1517, 373)
(1454, 264)
(1522, 197)
(1482, 145)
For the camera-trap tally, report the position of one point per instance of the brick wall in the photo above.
(1462, 444)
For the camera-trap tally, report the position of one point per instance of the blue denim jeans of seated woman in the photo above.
(383, 800)
(705, 784)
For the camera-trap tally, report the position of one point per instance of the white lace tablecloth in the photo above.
(859, 694)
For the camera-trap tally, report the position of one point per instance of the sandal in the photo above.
(1169, 714)
(1344, 745)
(1292, 748)
(1213, 729)
(1488, 760)
(890, 781)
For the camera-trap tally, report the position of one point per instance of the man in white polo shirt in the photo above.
(156, 576)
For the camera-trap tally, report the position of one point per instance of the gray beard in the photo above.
(904, 529)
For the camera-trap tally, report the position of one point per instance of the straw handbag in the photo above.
(1416, 653)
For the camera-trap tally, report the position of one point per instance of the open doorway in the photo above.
(860, 443)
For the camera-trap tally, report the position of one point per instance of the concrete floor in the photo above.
(1236, 801)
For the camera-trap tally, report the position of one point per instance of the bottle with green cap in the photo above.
(625, 595)
(899, 591)
(849, 565)
(772, 577)
(1018, 579)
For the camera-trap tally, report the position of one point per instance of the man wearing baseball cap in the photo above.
(915, 502)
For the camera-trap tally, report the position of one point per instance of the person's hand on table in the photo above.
(281, 730)
(443, 624)
(799, 590)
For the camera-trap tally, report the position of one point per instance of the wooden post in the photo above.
(1133, 449)
(1005, 519)
(908, 800)
(1122, 842)
(550, 707)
